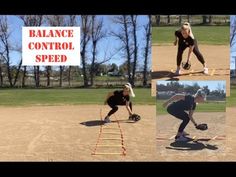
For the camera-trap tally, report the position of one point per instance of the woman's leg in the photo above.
(179, 58)
(198, 53)
(113, 110)
(180, 114)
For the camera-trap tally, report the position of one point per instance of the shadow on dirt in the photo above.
(191, 146)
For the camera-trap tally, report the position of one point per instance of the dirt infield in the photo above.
(231, 134)
(69, 133)
(210, 144)
(216, 56)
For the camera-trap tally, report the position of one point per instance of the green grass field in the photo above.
(203, 107)
(231, 101)
(213, 35)
(30, 97)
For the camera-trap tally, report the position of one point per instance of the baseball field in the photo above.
(215, 144)
(65, 125)
(213, 42)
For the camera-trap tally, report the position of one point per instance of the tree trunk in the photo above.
(48, 70)
(204, 19)
(168, 19)
(146, 52)
(1, 77)
(36, 76)
(180, 19)
(127, 49)
(23, 77)
(189, 18)
(84, 67)
(158, 20)
(17, 73)
(92, 64)
(69, 75)
(61, 72)
(210, 19)
(8, 67)
(134, 22)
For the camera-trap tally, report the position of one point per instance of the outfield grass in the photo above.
(231, 101)
(203, 107)
(29, 97)
(212, 35)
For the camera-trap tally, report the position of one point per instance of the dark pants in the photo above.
(180, 114)
(196, 51)
(115, 107)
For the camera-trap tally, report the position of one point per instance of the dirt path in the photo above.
(210, 146)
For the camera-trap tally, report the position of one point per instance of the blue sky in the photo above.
(109, 44)
(233, 47)
(212, 85)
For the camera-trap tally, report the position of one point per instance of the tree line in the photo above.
(176, 87)
(93, 33)
(162, 20)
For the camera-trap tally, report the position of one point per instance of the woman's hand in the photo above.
(175, 42)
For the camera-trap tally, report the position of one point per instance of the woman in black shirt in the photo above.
(177, 107)
(185, 38)
(119, 97)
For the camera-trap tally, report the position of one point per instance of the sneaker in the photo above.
(205, 70)
(178, 72)
(185, 134)
(107, 120)
(181, 138)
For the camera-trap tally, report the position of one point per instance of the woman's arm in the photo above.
(108, 96)
(191, 117)
(190, 51)
(174, 98)
(128, 108)
(176, 40)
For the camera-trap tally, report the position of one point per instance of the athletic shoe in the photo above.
(205, 70)
(185, 133)
(181, 138)
(107, 120)
(177, 72)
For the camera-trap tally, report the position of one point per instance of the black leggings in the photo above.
(115, 107)
(196, 51)
(180, 114)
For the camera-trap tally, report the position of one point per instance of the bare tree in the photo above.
(85, 38)
(32, 20)
(147, 30)
(97, 33)
(72, 22)
(135, 53)
(124, 36)
(5, 46)
(1, 71)
(57, 20)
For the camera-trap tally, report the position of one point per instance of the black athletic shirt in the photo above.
(187, 104)
(118, 98)
(182, 41)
